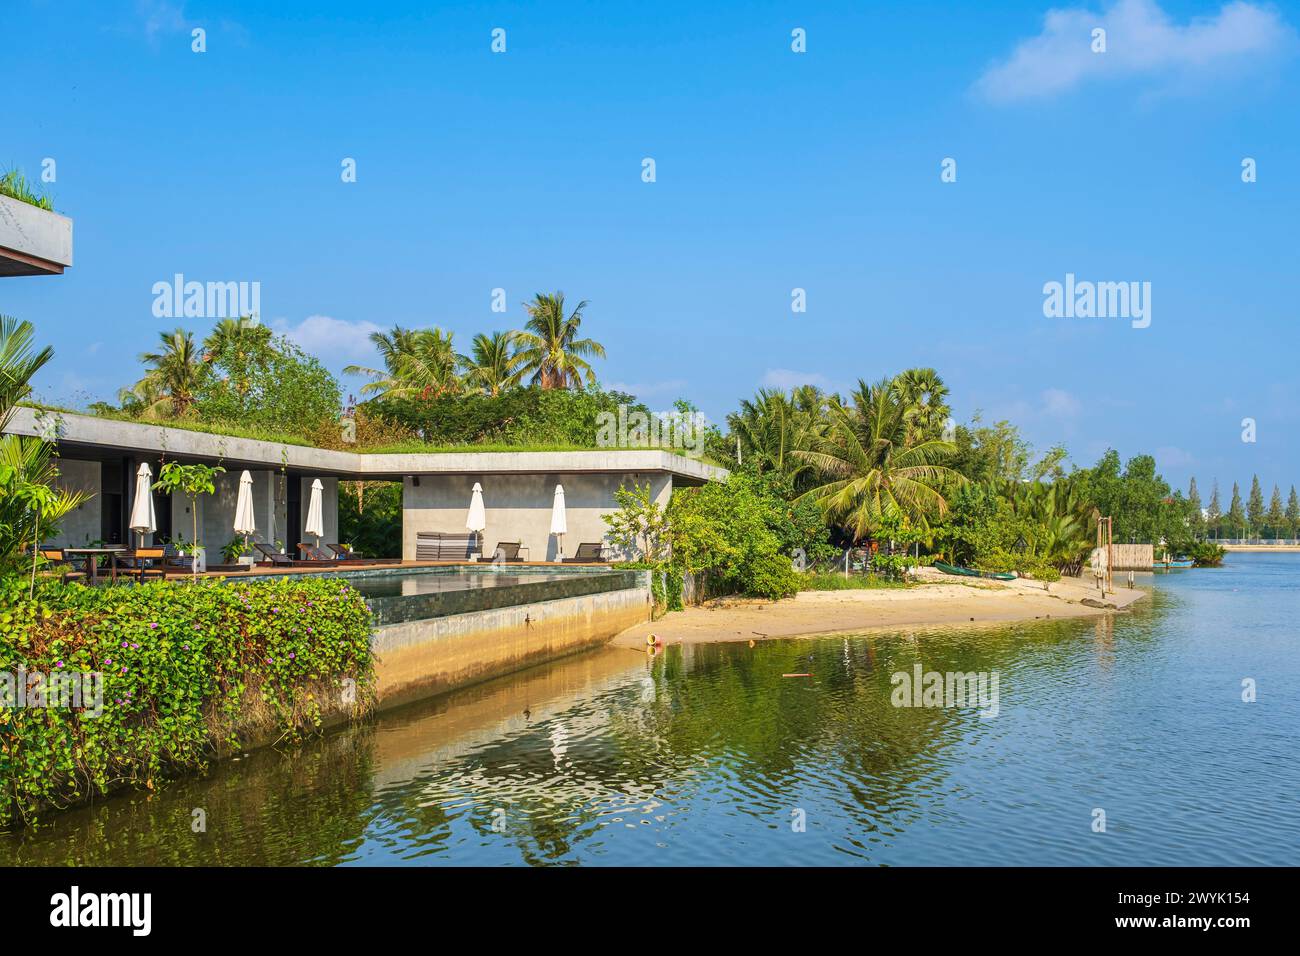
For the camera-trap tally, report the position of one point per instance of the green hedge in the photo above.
(188, 668)
(521, 416)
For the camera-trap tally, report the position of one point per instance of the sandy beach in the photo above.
(938, 601)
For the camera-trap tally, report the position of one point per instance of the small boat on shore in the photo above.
(1172, 563)
(973, 573)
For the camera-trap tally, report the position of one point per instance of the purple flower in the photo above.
(136, 646)
(153, 625)
(108, 662)
(58, 663)
(185, 646)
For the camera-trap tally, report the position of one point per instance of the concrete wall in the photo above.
(518, 507)
(83, 525)
(420, 658)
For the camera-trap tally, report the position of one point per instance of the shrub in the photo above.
(522, 416)
(726, 533)
(187, 669)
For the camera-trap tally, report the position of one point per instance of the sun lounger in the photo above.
(508, 551)
(275, 559)
(311, 554)
(589, 552)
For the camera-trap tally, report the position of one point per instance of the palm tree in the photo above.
(926, 397)
(868, 469)
(18, 363)
(773, 426)
(493, 364)
(550, 349)
(418, 363)
(176, 376)
(30, 503)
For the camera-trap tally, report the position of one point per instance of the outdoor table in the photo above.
(92, 558)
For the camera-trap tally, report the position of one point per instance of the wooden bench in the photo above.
(441, 546)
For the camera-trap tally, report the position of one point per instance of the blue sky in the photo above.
(775, 170)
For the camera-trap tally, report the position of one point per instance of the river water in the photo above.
(709, 755)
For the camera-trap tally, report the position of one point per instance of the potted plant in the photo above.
(234, 555)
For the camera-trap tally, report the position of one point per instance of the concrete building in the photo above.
(100, 456)
(33, 241)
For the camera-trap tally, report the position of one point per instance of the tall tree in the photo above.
(493, 365)
(172, 378)
(549, 347)
(1275, 517)
(1195, 519)
(1293, 514)
(926, 399)
(1214, 511)
(869, 473)
(1236, 516)
(418, 363)
(773, 426)
(1255, 505)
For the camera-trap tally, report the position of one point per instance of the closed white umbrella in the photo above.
(477, 519)
(315, 522)
(559, 526)
(245, 522)
(143, 519)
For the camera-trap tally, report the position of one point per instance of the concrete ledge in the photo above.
(418, 659)
(33, 241)
(90, 431)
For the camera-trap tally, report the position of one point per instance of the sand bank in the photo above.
(938, 601)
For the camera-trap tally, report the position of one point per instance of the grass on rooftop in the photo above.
(16, 186)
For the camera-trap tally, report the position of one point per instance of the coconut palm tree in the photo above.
(418, 363)
(550, 349)
(19, 361)
(170, 385)
(493, 364)
(773, 426)
(30, 504)
(868, 470)
(926, 397)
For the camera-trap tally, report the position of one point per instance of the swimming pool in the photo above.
(396, 595)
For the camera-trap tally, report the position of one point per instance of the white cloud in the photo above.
(1170, 457)
(786, 379)
(1141, 41)
(1058, 403)
(329, 338)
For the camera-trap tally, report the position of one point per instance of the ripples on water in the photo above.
(704, 755)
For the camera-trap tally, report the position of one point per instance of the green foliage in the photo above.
(372, 523)
(640, 525)
(523, 416)
(1205, 554)
(730, 535)
(549, 348)
(260, 380)
(16, 186)
(834, 581)
(666, 583)
(186, 668)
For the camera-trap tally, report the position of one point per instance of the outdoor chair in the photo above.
(311, 554)
(589, 552)
(508, 551)
(70, 571)
(275, 559)
(141, 563)
(348, 556)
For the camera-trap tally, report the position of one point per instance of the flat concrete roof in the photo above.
(92, 437)
(33, 241)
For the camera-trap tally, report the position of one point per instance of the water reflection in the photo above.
(706, 754)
